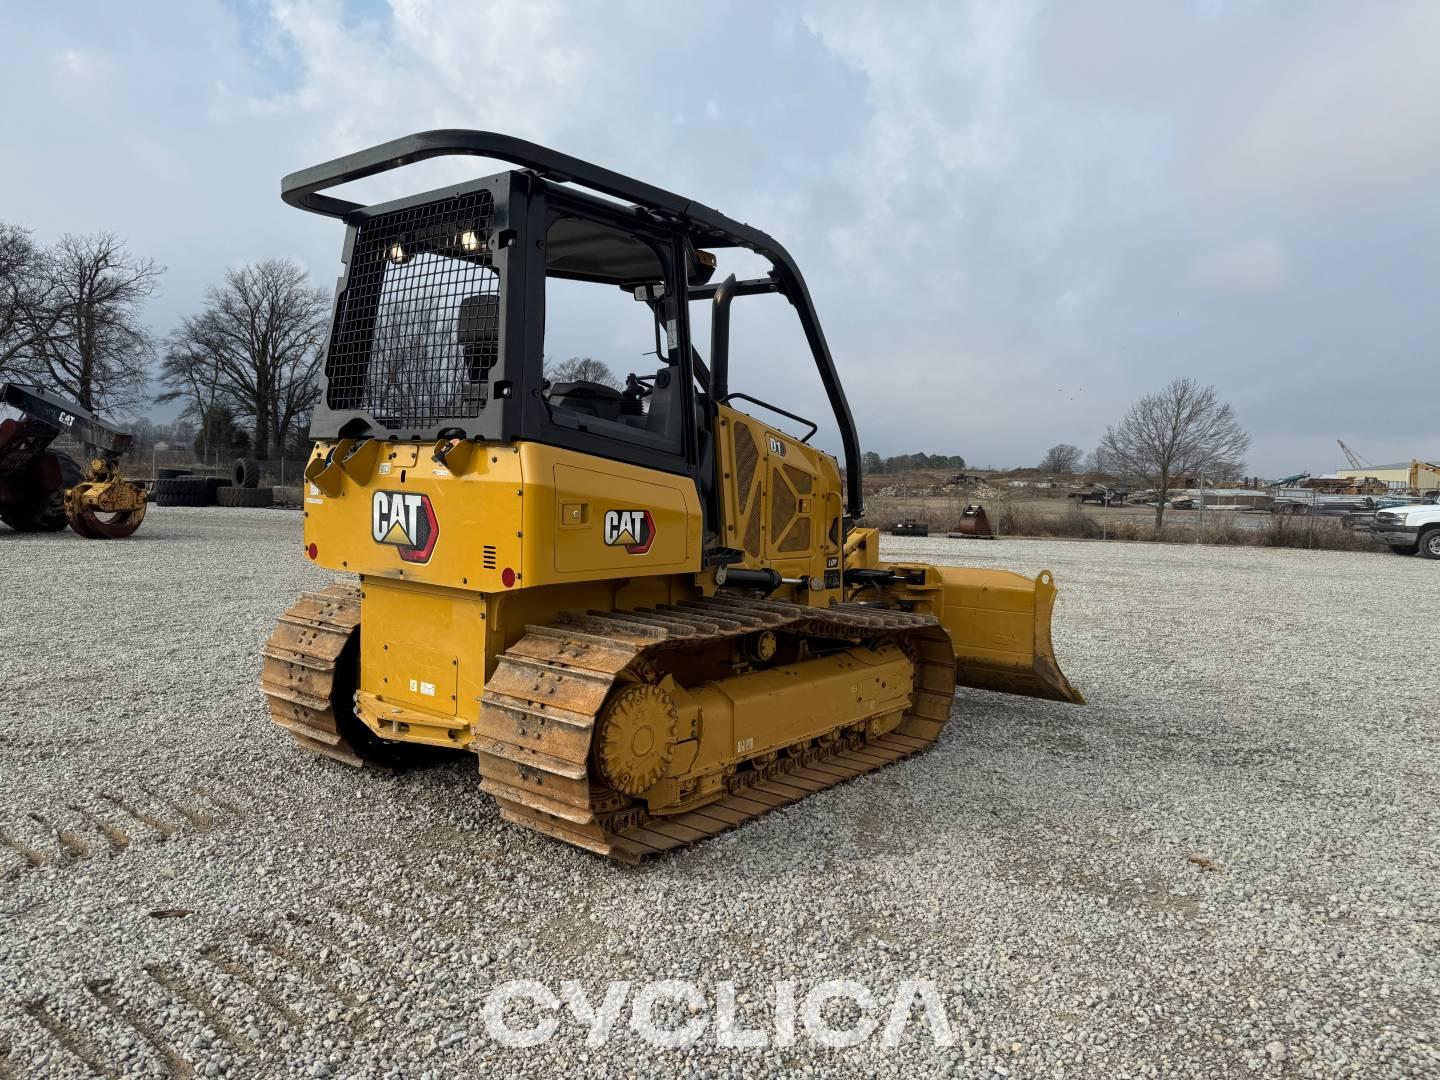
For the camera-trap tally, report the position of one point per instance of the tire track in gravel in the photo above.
(297, 947)
(310, 970)
(29, 854)
(252, 982)
(112, 822)
(71, 845)
(152, 1033)
(79, 1045)
(203, 1002)
(226, 961)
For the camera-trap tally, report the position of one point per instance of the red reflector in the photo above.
(312, 551)
(507, 578)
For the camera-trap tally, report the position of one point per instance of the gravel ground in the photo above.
(1225, 864)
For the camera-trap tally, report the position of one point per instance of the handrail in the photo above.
(814, 427)
(720, 340)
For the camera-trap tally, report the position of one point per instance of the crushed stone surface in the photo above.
(1227, 863)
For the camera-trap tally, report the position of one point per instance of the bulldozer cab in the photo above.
(445, 316)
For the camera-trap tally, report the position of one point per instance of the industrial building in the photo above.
(1401, 475)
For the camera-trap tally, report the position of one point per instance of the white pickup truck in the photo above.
(1410, 529)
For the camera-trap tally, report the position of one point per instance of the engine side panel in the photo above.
(495, 518)
(781, 502)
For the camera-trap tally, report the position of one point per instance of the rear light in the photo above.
(507, 578)
(312, 551)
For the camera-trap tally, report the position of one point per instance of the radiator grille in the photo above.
(747, 457)
(782, 505)
(747, 454)
(789, 527)
(488, 557)
(798, 538)
(417, 330)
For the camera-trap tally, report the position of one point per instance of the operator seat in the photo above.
(477, 328)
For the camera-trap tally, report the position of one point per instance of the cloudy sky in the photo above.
(1014, 217)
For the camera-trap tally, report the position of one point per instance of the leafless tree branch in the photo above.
(97, 350)
(257, 343)
(1184, 430)
(1061, 459)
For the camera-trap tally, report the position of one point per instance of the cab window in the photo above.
(612, 367)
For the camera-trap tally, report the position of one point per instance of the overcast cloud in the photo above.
(1014, 217)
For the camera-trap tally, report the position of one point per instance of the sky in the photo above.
(1014, 217)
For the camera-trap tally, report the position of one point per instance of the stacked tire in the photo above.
(246, 489)
(183, 491)
(187, 489)
(239, 496)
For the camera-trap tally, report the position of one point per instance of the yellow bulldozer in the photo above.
(650, 615)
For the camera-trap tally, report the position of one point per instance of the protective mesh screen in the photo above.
(417, 330)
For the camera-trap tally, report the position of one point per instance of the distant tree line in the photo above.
(1184, 430)
(872, 462)
(70, 317)
(1165, 440)
(1062, 459)
(581, 369)
(244, 369)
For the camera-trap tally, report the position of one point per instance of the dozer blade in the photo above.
(999, 623)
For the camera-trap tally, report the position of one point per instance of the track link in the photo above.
(303, 661)
(540, 707)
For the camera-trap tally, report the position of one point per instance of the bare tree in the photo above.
(1184, 430)
(1096, 462)
(1061, 460)
(26, 315)
(296, 396)
(261, 333)
(97, 350)
(191, 376)
(581, 369)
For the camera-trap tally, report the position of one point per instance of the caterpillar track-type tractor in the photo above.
(649, 615)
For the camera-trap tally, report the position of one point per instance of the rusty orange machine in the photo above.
(43, 490)
(649, 615)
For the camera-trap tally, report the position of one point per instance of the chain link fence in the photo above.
(285, 474)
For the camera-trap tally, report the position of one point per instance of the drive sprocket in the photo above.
(637, 738)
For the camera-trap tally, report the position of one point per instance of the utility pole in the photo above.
(1200, 518)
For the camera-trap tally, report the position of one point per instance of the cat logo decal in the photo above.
(406, 520)
(634, 530)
